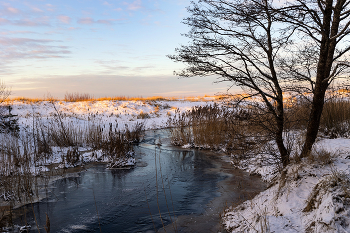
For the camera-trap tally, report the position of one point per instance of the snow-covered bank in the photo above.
(153, 113)
(310, 196)
(81, 119)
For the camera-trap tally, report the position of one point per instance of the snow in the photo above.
(310, 197)
(108, 111)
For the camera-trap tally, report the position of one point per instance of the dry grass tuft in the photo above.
(143, 115)
(335, 180)
(217, 128)
(321, 157)
(77, 97)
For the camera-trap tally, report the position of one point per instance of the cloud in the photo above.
(16, 32)
(40, 21)
(14, 49)
(7, 41)
(115, 85)
(12, 10)
(104, 21)
(86, 20)
(89, 21)
(50, 7)
(105, 3)
(4, 21)
(113, 66)
(36, 9)
(135, 5)
(64, 19)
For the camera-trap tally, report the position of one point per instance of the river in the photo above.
(169, 190)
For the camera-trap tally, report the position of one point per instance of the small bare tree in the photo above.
(7, 122)
(254, 45)
(4, 94)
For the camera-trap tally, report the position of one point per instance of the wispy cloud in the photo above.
(105, 21)
(16, 32)
(86, 20)
(113, 66)
(4, 21)
(12, 10)
(89, 20)
(64, 19)
(105, 3)
(40, 21)
(50, 7)
(14, 49)
(22, 41)
(114, 85)
(36, 9)
(135, 5)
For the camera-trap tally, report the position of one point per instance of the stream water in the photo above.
(170, 190)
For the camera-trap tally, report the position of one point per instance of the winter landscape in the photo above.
(261, 146)
(309, 195)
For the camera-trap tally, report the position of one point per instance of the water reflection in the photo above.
(170, 183)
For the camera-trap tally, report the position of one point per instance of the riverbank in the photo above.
(309, 196)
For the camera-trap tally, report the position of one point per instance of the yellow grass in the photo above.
(29, 100)
(123, 98)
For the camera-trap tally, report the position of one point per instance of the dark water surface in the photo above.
(189, 186)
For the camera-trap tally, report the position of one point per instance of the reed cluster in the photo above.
(217, 128)
(248, 128)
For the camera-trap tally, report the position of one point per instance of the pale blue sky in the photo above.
(105, 48)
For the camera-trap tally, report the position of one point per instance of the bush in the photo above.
(8, 121)
(75, 97)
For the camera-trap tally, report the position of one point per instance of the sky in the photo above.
(104, 48)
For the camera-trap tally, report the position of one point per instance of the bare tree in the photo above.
(7, 123)
(4, 94)
(324, 25)
(239, 41)
(253, 45)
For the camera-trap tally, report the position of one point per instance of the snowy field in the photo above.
(311, 196)
(153, 113)
(82, 118)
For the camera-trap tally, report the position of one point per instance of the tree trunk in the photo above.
(314, 121)
(329, 28)
(282, 149)
(279, 132)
